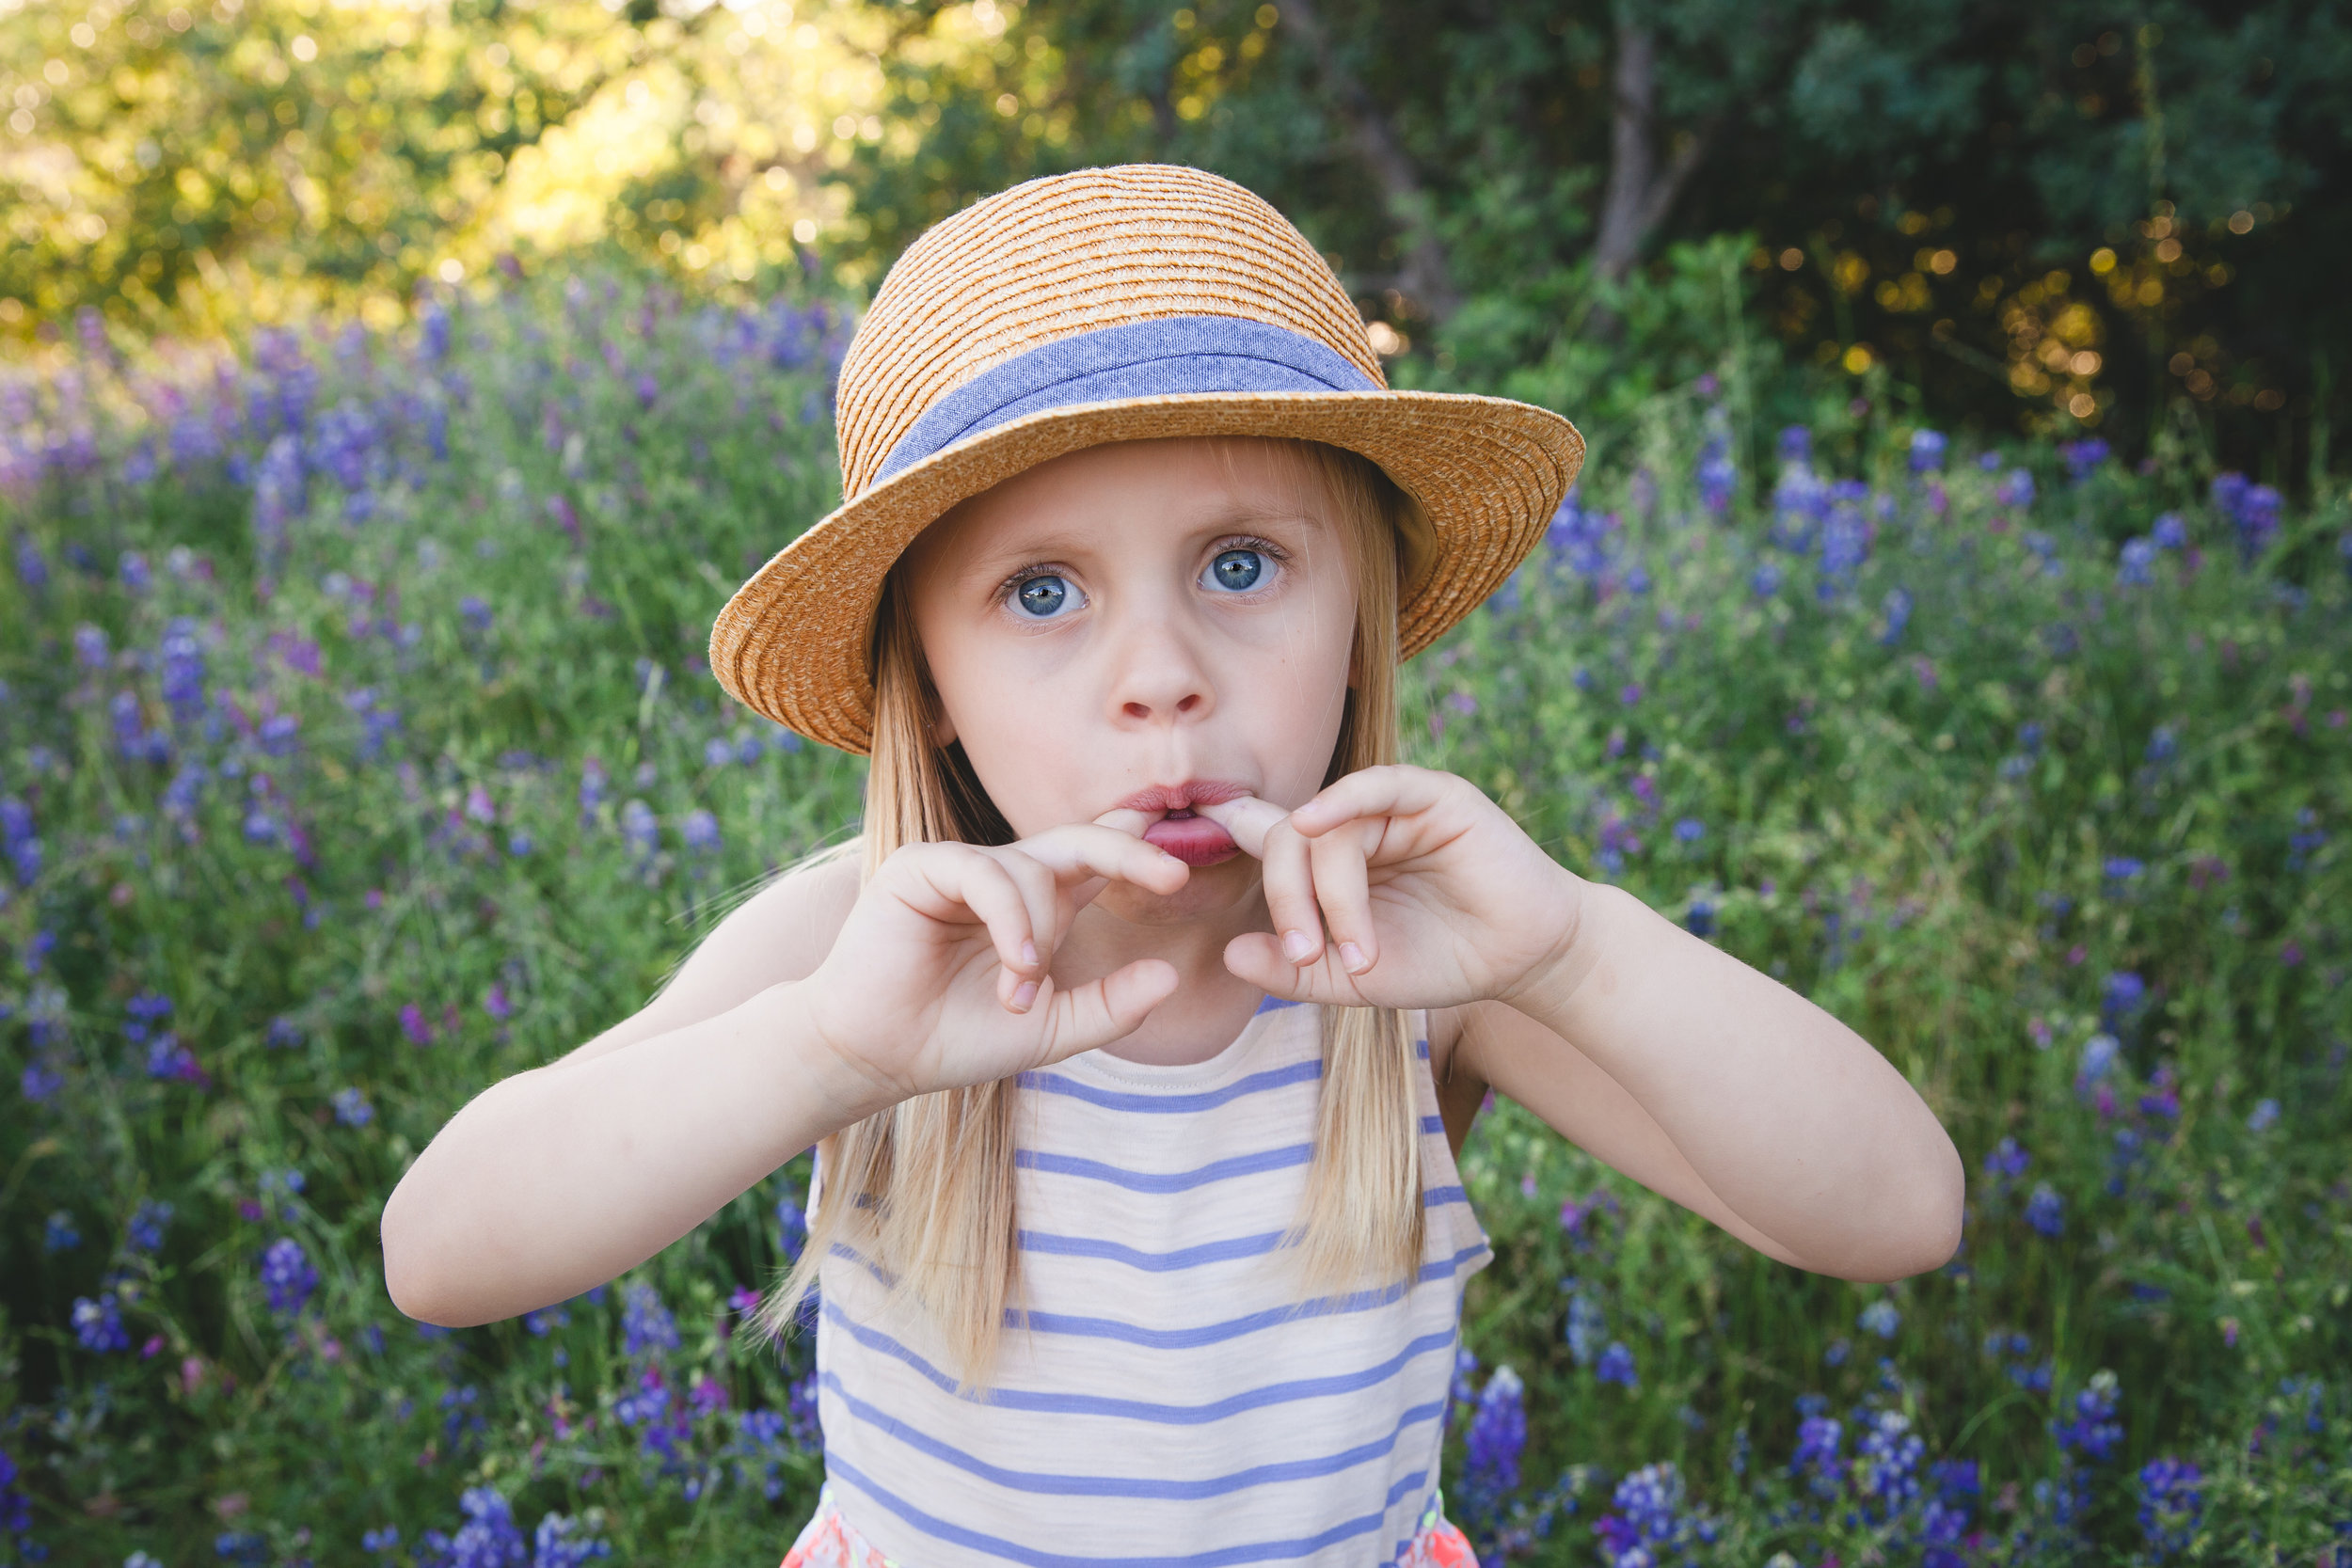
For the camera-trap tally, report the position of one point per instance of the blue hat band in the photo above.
(1166, 356)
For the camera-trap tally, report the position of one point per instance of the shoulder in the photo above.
(780, 933)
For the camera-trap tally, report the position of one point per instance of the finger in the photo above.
(1108, 1009)
(963, 876)
(1077, 851)
(1121, 820)
(1290, 895)
(1343, 892)
(1257, 958)
(1248, 818)
(1042, 893)
(1393, 789)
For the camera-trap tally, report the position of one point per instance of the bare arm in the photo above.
(1722, 1089)
(564, 1176)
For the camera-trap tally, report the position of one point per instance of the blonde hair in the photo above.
(927, 1186)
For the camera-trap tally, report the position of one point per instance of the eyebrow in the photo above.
(993, 565)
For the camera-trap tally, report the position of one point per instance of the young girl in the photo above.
(1138, 1042)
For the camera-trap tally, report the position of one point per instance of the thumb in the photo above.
(1106, 1010)
(1257, 958)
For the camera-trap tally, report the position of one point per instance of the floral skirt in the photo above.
(829, 1541)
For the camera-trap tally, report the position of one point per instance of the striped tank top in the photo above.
(1173, 1404)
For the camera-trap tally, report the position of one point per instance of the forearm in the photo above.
(1795, 1121)
(562, 1178)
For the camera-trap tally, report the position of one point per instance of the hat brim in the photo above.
(1487, 473)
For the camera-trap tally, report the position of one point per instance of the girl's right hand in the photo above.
(939, 977)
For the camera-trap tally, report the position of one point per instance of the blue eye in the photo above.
(1239, 570)
(1041, 597)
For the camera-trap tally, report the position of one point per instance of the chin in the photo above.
(1209, 887)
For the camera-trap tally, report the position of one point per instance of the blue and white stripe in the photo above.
(1162, 1399)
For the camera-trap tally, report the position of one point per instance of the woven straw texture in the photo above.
(1065, 255)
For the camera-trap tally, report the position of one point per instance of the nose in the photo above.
(1158, 675)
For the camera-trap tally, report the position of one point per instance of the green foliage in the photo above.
(353, 709)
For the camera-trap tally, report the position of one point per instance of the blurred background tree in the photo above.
(2057, 219)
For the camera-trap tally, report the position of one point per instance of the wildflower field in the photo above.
(356, 751)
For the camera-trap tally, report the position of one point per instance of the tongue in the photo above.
(1194, 840)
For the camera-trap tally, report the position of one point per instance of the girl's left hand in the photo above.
(1434, 896)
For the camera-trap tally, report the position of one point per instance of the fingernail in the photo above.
(1352, 957)
(1296, 945)
(1023, 994)
(1029, 952)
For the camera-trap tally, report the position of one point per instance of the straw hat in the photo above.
(1112, 305)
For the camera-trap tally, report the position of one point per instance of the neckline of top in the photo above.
(1100, 1064)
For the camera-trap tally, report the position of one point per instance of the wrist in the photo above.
(1548, 985)
(834, 1073)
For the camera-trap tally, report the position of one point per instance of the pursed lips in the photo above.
(1195, 840)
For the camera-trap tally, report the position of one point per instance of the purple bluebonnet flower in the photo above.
(433, 333)
(1648, 1524)
(2169, 531)
(2082, 458)
(283, 1031)
(287, 1275)
(248, 1548)
(2006, 1160)
(1880, 1319)
(2265, 1114)
(640, 828)
(131, 566)
(1586, 1323)
(98, 1324)
(2163, 744)
(2016, 490)
(1717, 476)
(1765, 580)
(791, 1227)
(646, 1322)
(1927, 451)
(58, 1234)
(701, 830)
(279, 734)
(2171, 1501)
(2044, 1210)
(2123, 868)
(2123, 997)
(553, 1545)
(475, 610)
(718, 751)
(1795, 444)
(489, 1538)
(90, 646)
(1817, 1438)
(167, 1058)
(1616, 1366)
(1836, 1352)
(1496, 1438)
(2132, 568)
(145, 1232)
(1887, 1462)
(413, 1024)
(1690, 830)
(1700, 919)
(591, 787)
(2099, 1054)
(2094, 1429)
(24, 845)
(184, 669)
(32, 567)
(1898, 608)
(2252, 509)
(352, 1108)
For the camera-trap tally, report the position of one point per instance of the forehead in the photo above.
(1159, 488)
